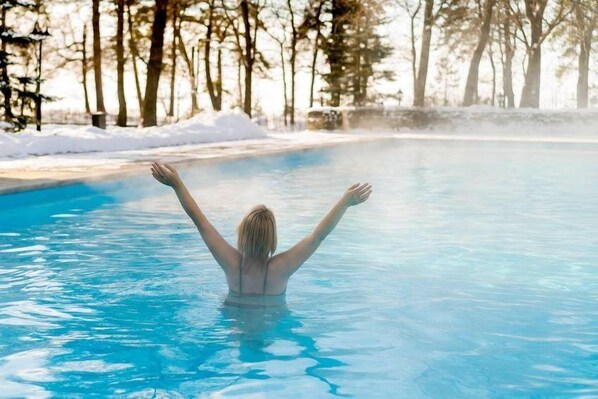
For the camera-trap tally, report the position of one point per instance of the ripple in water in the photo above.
(469, 273)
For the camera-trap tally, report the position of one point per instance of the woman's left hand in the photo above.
(165, 174)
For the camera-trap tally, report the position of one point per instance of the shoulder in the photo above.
(233, 264)
(281, 263)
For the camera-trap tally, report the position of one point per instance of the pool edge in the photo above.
(135, 167)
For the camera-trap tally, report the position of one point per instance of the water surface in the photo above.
(471, 272)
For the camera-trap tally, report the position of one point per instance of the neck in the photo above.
(252, 260)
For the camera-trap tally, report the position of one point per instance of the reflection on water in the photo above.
(271, 334)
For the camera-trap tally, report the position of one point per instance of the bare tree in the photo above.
(412, 8)
(312, 21)
(246, 35)
(74, 51)
(281, 40)
(471, 87)
(506, 46)
(534, 12)
(97, 56)
(287, 35)
(121, 120)
(134, 57)
(585, 23)
(173, 54)
(217, 30)
(292, 9)
(432, 12)
(154, 66)
(490, 51)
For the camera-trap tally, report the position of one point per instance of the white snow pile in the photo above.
(485, 120)
(57, 139)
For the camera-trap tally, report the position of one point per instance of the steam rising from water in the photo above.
(463, 250)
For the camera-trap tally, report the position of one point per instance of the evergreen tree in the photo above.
(17, 90)
(353, 47)
(368, 49)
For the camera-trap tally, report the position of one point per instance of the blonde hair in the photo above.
(257, 233)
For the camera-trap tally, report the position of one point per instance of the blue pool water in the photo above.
(471, 272)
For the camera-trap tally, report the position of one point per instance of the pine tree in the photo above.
(368, 49)
(17, 90)
(353, 47)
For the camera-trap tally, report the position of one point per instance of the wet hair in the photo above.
(257, 233)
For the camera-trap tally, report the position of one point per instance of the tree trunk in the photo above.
(249, 56)
(154, 66)
(315, 56)
(219, 79)
(357, 100)
(582, 77)
(239, 85)
(97, 56)
(285, 111)
(121, 120)
(508, 66)
(530, 95)
(491, 57)
(422, 75)
(413, 49)
(207, 61)
(84, 70)
(336, 67)
(5, 78)
(134, 56)
(585, 28)
(293, 76)
(175, 36)
(471, 87)
(191, 66)
(247, 96)
(294, 40)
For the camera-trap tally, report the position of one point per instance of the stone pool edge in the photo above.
(30, 178)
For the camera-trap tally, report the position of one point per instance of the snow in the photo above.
(473, 123)
(60, 139)
(483, 120)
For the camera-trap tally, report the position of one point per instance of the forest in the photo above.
(318, 52)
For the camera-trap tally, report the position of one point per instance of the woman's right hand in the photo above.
(357, 193)
(165, 174)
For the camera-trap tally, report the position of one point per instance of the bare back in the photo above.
(253, 277)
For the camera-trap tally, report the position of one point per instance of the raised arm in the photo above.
(292, 259)
(225, 254)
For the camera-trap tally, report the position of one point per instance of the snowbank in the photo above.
(56, 139)
(485, 120)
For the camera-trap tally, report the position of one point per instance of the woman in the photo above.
(252, 270)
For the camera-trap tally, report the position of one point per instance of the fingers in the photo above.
(363, 192)
(364, 197)
(162, 169)
(170, 168)
(158, 173)
(353, 187)
(363, 188)
(156, 168)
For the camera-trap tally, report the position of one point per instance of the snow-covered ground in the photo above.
(61, 139)
(473, 123)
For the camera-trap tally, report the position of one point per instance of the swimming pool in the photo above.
(470, 272)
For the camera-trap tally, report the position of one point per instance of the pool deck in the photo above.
(36, 172)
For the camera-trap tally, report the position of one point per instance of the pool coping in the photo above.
(43, 173)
